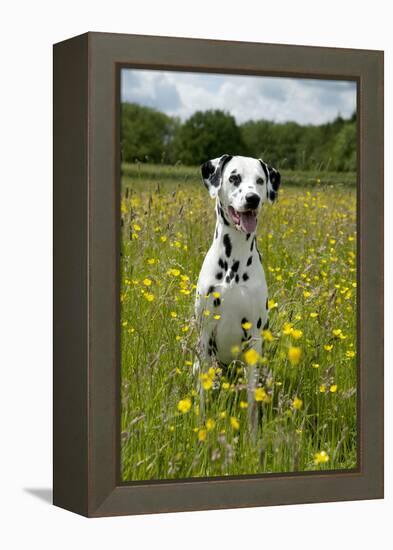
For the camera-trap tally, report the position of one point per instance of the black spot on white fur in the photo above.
(219, 276)
(259, 323)
(245, 277)
(227, 245)
(249, 261)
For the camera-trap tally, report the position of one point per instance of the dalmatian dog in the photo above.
(231, 296)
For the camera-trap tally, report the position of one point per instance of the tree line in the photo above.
(148, 135)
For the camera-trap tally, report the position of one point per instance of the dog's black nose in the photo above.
(252, 200)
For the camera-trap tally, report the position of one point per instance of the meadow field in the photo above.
(308, 403)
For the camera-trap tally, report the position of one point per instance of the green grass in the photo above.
(308, 244)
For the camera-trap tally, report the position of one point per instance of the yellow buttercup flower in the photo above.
(174, 272)
(149, 297)
(243, 404)
(287, 329)
(184, 405)
(313, 314)
(210, 424)
(297, 403)
(251, 357)
(333, 388)
(146, 282)
(322, 388)
(271, 304)
(136, 227)
(247, 325)
(294, 355)
(267, 335)
(216, 294)
(202, 433)
(321, 458)
(173, 314)
(350, 354)
(296, 334)
(260, 395)
(328, 347)
(234, 423)
(217, 317)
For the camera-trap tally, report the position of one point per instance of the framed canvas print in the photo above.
(218, 274)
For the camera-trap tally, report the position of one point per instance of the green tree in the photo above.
(207, 135)
(146, 134)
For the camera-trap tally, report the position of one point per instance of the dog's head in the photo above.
(242, 185)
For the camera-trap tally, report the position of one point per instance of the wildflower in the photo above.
(267, 335)
(313, 314)
(306, 293)
(243, 404)
(321, 457)
(217, 317)
(173, 272)
(151, 261)
(210, 424)
(247, 325)
(322, 388)
(271, 304)
(173, 314)
(186, 328)
(337, 332)
(287, 329)
(202, 433)
(315, 365)
(207, 381)
(333, 388)
(234, 423)
(184, 278)
(163, 238)
(328, 347)
(350, 354)
(136, 227)
(297, 334)
(146, 282)
(294, 355)
(235, 350)
(260, 395)
(251, 357)
(206, 313)
(184, 405)
(226, 385)
(149, 297)
(297, 403)
(223, 414)
(216, 294)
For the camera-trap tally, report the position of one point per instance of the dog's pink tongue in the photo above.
(248, 222)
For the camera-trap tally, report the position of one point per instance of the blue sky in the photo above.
(307, 101)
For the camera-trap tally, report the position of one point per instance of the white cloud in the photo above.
(307, 101)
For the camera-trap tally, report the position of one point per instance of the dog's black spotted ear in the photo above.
(212, 173)
(273, 180)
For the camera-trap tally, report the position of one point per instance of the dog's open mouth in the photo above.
(246, 221)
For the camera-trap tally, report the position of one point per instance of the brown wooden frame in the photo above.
(86, 267)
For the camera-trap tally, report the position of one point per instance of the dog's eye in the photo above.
(235, 179)
(260, 181)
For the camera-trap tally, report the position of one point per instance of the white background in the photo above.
(28, 30)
